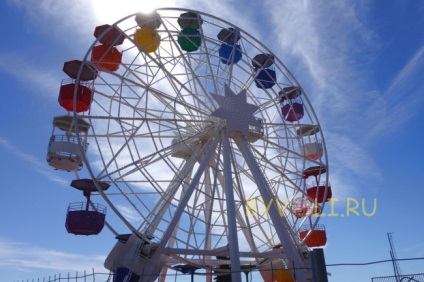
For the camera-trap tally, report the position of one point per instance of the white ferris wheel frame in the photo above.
(223, 159)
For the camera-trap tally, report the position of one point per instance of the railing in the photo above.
(312, 184)
(400, 278)
(91, 207)
(257, 129)
(317, 227)
(70, 139)
(85, 277)
(68, 80)
(68, 149)
(173, 275)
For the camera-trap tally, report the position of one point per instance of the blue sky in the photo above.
(360, 63)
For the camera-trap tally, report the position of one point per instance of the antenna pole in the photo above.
(396, 267)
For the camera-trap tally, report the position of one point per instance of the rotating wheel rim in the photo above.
(152, 125)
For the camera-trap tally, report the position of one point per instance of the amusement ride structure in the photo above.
(201, 143)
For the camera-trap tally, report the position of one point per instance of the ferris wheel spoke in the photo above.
(283, 148)
(195, 156)
(158, 211)
(165, 98)
(219, 178)
(194, 87)
(176, 84)
(206, 205)
(190, 64)
(281, 171)
(156, 156)
(149, 135)
(125, 119)
(216, 70)
(133, 166)
(127, 139)
(182, 204)
(268, 104)
(265, 237)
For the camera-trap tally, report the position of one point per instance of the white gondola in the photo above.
(68, 143)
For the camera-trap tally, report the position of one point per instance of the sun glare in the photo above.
(109, 11)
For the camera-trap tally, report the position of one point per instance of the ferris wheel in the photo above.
(202, 143)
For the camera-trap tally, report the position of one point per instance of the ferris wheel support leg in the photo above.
(281, 228)
(154, 259)
(208, 215)
(231, 211)
(239, 217)
(163, 204)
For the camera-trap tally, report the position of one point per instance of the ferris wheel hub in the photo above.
(235, 110)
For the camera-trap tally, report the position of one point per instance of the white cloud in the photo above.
(66, 23)
(350, 167)
(351, 156)
(42, 82)
(26, 257)
(57, 18)
(401, 101)
(110, 11)
(32, 161)
(320, 41)
(129, 213)
(404, 76)
(328, 46)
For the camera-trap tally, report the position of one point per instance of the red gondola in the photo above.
(106, 56)
(84, 96)
(317, 193)
(317, 237)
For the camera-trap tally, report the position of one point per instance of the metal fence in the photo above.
(74, 277)
(400, 278)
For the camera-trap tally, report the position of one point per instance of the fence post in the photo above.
(319, 271)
